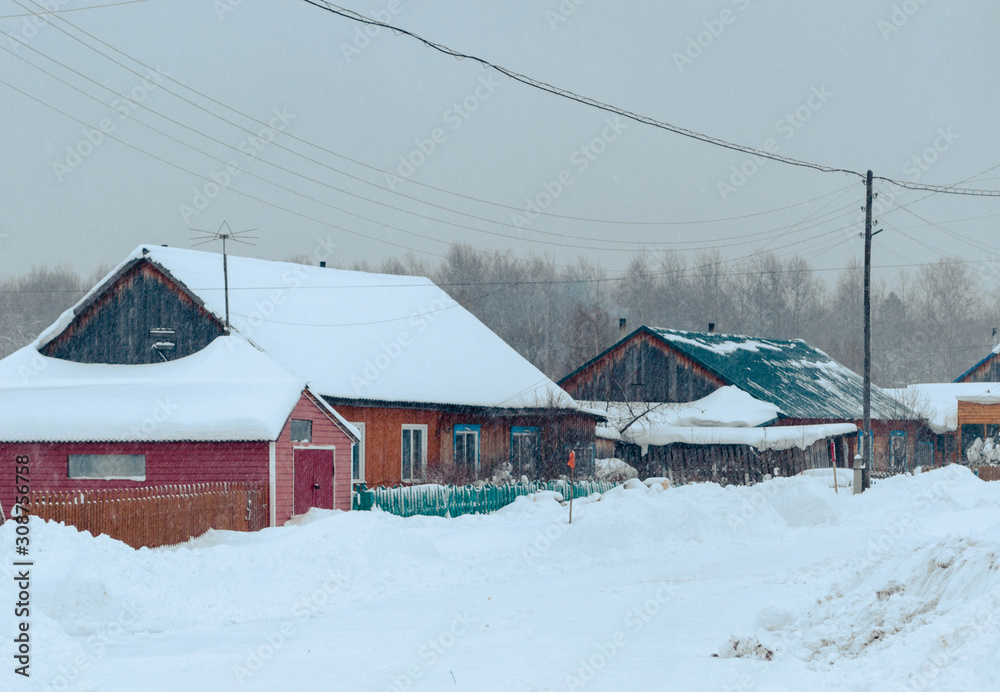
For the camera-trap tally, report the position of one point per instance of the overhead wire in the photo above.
(585, 100)
(336, 154)
(771, 232)
(71, 9)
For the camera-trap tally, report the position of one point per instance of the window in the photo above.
(525, 450)
(302, 430)
(467, 447)
(414, 461)
(898, 451)
(358, 456)
(107, 466)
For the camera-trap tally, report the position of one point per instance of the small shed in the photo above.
(958, 413)
(226, 414)
(654, 364)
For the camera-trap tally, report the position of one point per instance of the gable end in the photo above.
(121, 323)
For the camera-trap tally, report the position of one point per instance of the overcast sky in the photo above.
(856, 84)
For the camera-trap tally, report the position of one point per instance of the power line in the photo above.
(360, 163)
(942, 189)
(633, 245)
(646, 120)
(70, 9)
(585, 100)
(775, 233)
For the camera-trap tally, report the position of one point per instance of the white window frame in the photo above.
(414, 478)
(473, 430)
(70, 476)
(361, 455)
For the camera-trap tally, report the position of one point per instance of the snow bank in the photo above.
(884, 590)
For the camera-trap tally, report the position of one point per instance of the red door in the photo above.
(313, 479)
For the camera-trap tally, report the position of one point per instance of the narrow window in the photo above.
(414, 458)
(358, 456)
(302, 430)
(107, 466)
(467, 447)
(525, 450)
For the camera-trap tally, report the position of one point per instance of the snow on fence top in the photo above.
(357, 335)
(777, 438)
(937, 403)
(800, 379)
(227, 391)
(727, 407)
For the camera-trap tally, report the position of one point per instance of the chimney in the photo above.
(711, 327)
(622, 322)
(322, 264)
(994, 336)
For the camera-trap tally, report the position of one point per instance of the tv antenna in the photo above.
(224, 233)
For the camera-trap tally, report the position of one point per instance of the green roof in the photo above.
(801, 380)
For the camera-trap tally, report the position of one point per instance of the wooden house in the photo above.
(986, 370)
(225, 414)
(433, 393)
(806, 385)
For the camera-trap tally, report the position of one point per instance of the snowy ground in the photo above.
(896, 589)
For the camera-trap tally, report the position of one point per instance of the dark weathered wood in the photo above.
(116, 325)
(634, 371)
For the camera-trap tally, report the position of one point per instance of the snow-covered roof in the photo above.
(937, 402)
(229, 390)
(358, 335)
(727, 407)
(802, 380)
(990, 356)
(778, 437)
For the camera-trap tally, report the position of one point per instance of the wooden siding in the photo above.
(916, 432)
(729, 464)
(383, 437)
(987, 371)
(642, 368)
(167, 463)
(325, 433)
(115, 326)
(971, 412)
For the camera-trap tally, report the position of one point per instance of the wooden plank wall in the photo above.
(723, 464)
(156, 516)
(115, 328)
(642, 369)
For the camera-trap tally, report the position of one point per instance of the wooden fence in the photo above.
(160, 515)
(988, 473)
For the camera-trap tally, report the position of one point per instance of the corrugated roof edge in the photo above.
(969, 371)
(439, 406)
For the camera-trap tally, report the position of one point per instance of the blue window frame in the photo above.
(467, 447)
(525, 450)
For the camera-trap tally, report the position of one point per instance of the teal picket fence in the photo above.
(456, 500)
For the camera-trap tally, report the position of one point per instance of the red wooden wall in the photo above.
(167, 463)
(170, 463)
(325, 433)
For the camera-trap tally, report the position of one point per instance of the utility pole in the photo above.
(866, 433)
(225, 281)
